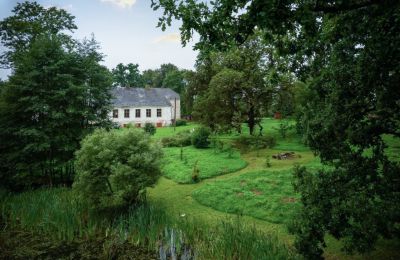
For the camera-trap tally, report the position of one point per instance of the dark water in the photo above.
(172, 246)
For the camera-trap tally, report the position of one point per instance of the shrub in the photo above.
(180, 139)
(284, 128)
(255, 142)
(196, 173)
(149, 128)
(181, 122)
(114, 168)
(200, 137)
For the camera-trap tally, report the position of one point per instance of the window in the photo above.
(158, 112)
(148, 112)
(115, 113)
(137, 113)
(126, 113)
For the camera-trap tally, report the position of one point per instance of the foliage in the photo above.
(254, 142)
(237, 91)
(209, 163)
(174, 80)
(284, 127)
(127, 75)
(149, 128)
(138, 231)
(114, 168)
(340, 48)
(168, 76)
(53, 98)
(200, 137)
(284, 96)
(155, 78)
(196, 173)
(181, 139)
(181, 122)
(29, 21)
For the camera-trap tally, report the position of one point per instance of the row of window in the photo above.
(137, 113)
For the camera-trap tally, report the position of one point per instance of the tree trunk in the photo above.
(261, 128)
(251, 120)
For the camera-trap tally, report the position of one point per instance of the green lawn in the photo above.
(170, 131)
(266, 195)
(209, 162)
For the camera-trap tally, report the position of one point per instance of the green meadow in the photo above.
(261, 193)
(179, 163)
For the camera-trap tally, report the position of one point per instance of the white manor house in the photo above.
(137, 106)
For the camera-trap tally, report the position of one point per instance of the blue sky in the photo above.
(125, 29)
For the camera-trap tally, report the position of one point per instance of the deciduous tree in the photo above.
(127, 75)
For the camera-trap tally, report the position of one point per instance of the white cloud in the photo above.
(121, 3)
(172, 37)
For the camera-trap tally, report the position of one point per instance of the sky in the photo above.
(126, 30)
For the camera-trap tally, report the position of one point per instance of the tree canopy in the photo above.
(29, 21)
(237, 91)
(127, 75)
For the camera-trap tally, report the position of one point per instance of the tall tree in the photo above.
(155, 78)
(56, 94)
(127, 75)
(31, 20)
(341, 50)
(237, 92)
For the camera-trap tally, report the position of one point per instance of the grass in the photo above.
(170, 131)
(210, 226)
(140, 231)
(182, 199)
(209, 162)
(266, 195)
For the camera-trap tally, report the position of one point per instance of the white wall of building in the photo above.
(165, 119)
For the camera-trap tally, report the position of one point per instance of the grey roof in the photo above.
(138, 97)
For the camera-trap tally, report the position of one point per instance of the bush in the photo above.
(255, 142)
(181, 122)
(180, 139)
(200, 137)
(114, 168)
(284, 128)
(149, 128)
(196, 173)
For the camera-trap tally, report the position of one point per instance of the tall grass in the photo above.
(57, 214)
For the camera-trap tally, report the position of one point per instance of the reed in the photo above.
(56, 213)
